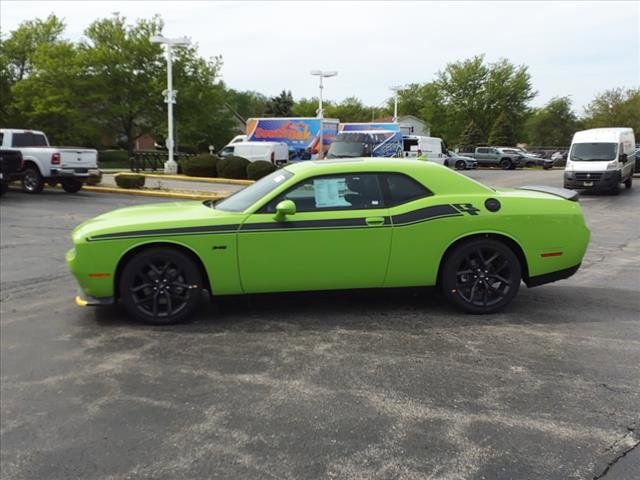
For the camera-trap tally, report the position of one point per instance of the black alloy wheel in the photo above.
(32, 181)
(481, 276)
(71, 185)
(460, 165)
(160, 286)
(506, 164)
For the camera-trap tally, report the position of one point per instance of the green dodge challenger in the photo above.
(320, 225)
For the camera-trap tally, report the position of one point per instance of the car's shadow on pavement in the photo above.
(383, 310)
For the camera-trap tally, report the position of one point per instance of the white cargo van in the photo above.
(274, 152)
(432, 147)
(599, 159)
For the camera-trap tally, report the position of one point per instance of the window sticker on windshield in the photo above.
(330, 192)
(278, 179)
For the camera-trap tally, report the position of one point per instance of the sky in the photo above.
(571, 48)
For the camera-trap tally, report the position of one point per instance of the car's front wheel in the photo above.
(506, 164)
(481, 275)
(71, 185)
(460, 165)
(160, 286)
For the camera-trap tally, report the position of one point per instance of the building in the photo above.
(409, 125)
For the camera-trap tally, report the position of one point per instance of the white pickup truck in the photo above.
(68, 166)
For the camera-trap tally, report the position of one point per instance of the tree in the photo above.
(306, 107)
(552, 125)
(617, 107)
(502, 132)
(471, 137)
(351, 109)
(280, 106)
(248, 104)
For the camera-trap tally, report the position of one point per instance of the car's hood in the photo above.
(156, 217)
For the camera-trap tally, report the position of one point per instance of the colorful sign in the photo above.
(359, 127)
(300, 134)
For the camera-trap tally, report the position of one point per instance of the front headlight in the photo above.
(612, 165)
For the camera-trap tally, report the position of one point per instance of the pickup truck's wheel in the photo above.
(71, 185)
(460, 165)
(506, 164)
(32, 181)
(160, 286)
(481, 276)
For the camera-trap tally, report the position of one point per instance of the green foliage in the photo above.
(617, 107)
(129, 180)
(280, 106)
(94, 178)
(307, 107)
(351, 109)
(247, 104)
(471, 137)
(502, 132)
(552, 125)
(233, 167)
(204, 165)
(113, 158)
(257, 170)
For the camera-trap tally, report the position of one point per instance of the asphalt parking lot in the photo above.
(371, 385)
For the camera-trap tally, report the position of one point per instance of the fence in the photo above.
(152, 160)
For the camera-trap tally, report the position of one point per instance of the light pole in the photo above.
(322, 74)
(395, 89)
(170, 165)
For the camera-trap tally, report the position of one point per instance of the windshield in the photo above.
(246, 197)
(347, 149)
(585, 152)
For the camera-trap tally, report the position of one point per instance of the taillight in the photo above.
(273, 157)
(55, 158)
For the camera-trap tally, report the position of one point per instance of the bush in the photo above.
(129, 180)
(259, 169)
(94, 178)
(113, 158)
(233, 167)
(189, 149)
(204, 165)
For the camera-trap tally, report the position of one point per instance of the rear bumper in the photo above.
(552, 277)
(592, 180)
(78, 173)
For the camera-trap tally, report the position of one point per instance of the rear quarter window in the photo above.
(401, 189)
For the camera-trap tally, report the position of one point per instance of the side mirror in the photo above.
(623, 157)
(284, 208)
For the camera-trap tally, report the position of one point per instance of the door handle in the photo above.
(374, 221)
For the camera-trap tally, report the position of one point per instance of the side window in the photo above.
(353, 191)
(402, 189)
(483, 150)
(21, 140)
(38, 140)
(1, 138)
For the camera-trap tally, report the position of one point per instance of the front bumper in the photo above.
(604, 180)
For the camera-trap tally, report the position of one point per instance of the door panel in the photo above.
(314, 251)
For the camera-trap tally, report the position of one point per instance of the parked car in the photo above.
(493, 156)
(599, 159)
(69, 166)
(10, 168)
(322, 225)
(274, 152)
(459, 162)
(528, 159)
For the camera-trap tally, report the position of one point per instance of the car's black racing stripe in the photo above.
(168, 231)
(424, 214)
(409, 218)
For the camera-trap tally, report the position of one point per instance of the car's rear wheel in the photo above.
(481, 276)
(460, 165)
(160, 286)
(505, 164)
(32, 181)
(71, 185)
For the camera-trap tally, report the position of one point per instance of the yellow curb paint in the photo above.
(154, 193)
(185, 178)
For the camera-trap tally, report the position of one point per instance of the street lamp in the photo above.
(322, 74)
(170, 165)
(395, 89)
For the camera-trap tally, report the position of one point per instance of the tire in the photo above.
(461, 165)
(628, 183)
(481, 276)
(72, 185)
(615, 190)
(160, 286)
(506, 164)
(32, 181)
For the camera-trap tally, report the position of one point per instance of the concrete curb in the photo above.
(183, 178)
(155, 193)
